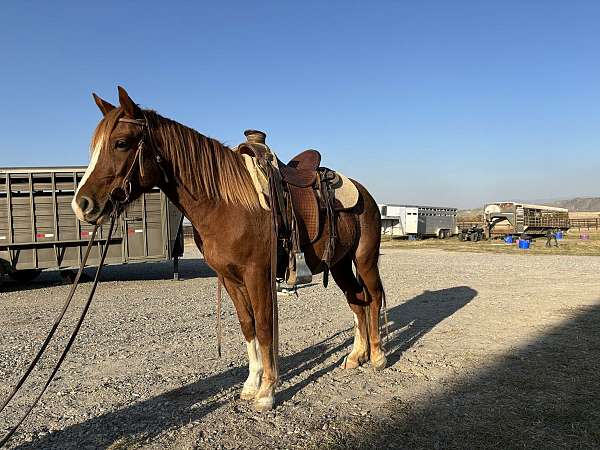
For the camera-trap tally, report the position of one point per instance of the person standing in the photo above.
(551, 235)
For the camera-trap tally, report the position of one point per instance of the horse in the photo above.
(134, 150)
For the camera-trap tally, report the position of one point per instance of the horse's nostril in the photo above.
(86, 204)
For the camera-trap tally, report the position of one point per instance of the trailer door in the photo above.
(412, 220)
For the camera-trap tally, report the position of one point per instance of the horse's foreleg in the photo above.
(243, 307)
(259, 291)
(255, 370)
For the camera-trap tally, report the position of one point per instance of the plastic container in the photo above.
(524, 244)
(508, 239)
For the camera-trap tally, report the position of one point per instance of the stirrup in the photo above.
(301, 274)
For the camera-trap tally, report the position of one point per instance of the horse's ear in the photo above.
(104, 106)
(129, 107)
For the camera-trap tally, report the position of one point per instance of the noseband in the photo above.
(120, 196)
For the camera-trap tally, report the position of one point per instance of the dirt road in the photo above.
(485, 351)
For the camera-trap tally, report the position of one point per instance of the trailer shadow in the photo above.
(189, 268)
(144, 420)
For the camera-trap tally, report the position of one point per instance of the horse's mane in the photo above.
(204, 164)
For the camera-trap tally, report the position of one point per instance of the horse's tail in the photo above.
(385, 314)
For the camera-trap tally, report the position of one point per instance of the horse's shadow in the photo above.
(178, 407)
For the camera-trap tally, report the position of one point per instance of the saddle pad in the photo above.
(259, 180)
(346, 192)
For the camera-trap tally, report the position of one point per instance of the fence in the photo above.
(588, 224)
(591, 223)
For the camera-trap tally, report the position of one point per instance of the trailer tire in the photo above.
(24, 276)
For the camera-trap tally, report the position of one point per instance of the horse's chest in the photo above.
(226, 260)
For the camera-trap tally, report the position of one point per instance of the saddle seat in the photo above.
(301, 171)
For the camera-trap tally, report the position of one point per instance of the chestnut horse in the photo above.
(135, 150)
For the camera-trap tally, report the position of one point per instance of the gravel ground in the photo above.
(484, 351)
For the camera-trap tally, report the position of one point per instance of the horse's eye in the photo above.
(121, 145)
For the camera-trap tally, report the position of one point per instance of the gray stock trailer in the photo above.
(38, 229)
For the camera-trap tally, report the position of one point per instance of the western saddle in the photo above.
(301, 201)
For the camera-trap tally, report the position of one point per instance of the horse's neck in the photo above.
(193, 203)
(198, 209)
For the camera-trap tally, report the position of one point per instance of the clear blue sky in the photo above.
(443, 102)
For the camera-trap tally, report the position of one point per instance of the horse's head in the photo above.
(125, 161)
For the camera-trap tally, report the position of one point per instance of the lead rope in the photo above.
(219, 326)
(273, 271)
(59, 318)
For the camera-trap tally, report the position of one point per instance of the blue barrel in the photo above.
(559, 235)
(508, 239)
(523, 244)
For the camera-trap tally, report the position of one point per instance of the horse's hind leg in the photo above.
(369, 275)
(366, 258)
(347, 282)
(241, 301)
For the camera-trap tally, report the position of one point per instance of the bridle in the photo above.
(121, 195)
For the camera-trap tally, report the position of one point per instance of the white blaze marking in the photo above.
(255, 366)
(90, 169)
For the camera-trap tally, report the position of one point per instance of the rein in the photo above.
(57, 322)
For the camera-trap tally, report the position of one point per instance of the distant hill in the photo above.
(579, 204)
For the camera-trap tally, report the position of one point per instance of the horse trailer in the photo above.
(39, 230)
(418, 221)
(504, 218)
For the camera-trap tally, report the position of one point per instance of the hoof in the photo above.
(264, 404)
(351, 363)
(379, 363)
(248, 394)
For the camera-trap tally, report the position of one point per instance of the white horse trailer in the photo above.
(399, 221)
(418, 221)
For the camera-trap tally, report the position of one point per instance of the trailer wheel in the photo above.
(24, 276)
(460, 236)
